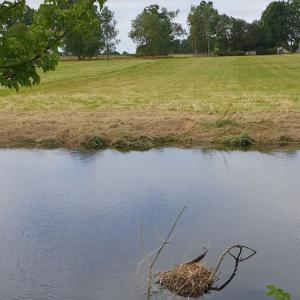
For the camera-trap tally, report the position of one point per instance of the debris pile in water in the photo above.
(187, 280)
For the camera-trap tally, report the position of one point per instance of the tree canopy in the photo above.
(154, 30)
(202, 20)
(24, 48)
(109, 31)
(281, 23)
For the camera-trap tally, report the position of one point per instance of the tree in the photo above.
(275, 24)
(293, 21)
(238, 34)
(202, 21)
(255, 37)
(223, 33)
(85, 42)
(109, 31)
(25, 49)
(154, 30)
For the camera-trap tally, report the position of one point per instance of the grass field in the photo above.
(209, 98)
(206, 85)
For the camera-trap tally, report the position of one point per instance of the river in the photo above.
(70, 221)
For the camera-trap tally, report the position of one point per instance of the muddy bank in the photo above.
(142, 130)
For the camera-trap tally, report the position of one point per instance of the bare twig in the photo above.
(166, 241)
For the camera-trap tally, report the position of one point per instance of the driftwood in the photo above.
(193, 279)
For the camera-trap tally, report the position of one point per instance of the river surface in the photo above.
(70, 221)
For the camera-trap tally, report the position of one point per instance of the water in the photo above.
(70, 221)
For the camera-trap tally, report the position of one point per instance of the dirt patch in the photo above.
(143, 129)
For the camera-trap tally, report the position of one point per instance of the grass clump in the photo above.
(96, 142)
(284, 140)
(134, 143)
(240, 141)
(50, 143)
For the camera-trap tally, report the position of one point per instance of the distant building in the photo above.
(250, 52)
(282, 50)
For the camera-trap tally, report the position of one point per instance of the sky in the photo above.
(127, 10)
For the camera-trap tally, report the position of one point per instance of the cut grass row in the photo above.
(225, 85)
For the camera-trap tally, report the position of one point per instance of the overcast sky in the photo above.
(126, 10)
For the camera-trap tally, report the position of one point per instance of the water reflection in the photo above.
(69, 221)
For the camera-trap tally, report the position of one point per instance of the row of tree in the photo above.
(156, 33)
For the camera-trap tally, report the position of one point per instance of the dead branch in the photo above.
(236, 258)
(199, 258)
(166, 241)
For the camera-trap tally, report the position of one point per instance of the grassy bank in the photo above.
(188, 101)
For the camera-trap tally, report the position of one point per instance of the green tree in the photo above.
(154, 30)
(238, 37)
(223, 33)
(25, 49)
(255, 37)
(275, 23)
(293, 21)
(203, 20)
(24, 17)
(109, 32)
(87, 41)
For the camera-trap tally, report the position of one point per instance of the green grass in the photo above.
(216, 85)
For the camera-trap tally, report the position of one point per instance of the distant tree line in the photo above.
(156, 33)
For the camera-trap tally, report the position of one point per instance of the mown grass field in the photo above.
(206, 85)
(189, 100)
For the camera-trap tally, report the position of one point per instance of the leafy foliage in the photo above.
(202, 20)
(109, 31)
(154, 30)
(85, 42)
(281, 23)
(26, 48)
(277, 294)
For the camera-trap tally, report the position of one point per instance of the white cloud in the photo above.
(126, 10)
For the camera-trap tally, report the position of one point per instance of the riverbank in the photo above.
(142, 130)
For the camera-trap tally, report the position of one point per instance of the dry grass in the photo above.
(138, 130)
(190, 101)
